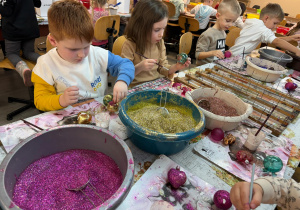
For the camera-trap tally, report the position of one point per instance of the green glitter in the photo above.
(145, 114)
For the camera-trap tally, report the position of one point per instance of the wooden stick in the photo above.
(262, 125)
(29, 123)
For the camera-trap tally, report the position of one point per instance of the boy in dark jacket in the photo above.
(19, 29)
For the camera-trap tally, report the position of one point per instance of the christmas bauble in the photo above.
(217, 134)
(244, 156)
(273, 164)
(222, 199)
(227, 54)
(176, 177)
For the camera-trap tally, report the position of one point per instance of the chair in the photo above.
(118, 44)
(107, 27)
(188, 24)
(185, 43)
(5, 63)
(282, 23)
(171, 8)
(298, 16)
(170, 34)
(231, 36)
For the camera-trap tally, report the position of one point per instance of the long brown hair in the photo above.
(144, 15)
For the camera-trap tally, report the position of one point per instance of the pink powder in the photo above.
(42, 185)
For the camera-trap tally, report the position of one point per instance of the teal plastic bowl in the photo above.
(155, 142)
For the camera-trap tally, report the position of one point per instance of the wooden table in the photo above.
(191, 161)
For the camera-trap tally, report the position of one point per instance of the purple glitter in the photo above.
(44, 183)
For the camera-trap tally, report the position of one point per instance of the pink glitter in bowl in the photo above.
(42, 185)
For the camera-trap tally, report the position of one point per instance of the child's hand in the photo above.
(181, 66)
(239, 196)
(218, 53)
(120, 91)
(147, 64)
(295, 37)
(70, 96)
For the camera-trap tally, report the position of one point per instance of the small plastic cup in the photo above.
(253, 141)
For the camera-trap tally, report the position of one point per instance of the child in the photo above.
(144, 35)
(270, 190)
(203, 12)
(74, 70)
(97, 10)
(211, 43)
(240, 20)
(179, 9)
(260, 30)
(20, 28)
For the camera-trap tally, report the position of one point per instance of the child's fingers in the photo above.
(257, 196)
(73, 88)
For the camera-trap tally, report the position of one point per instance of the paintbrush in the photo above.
(155, 63)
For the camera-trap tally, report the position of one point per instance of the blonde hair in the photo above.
(273, 10)
(231, 6)
(70, 19)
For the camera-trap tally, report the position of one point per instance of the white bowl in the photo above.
(254, 69)
(217, 121)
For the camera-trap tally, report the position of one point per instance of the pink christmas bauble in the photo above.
(227, 54)
(290, 86)
(222, 199)
(176, 177)
(244, 156)
(217, 134)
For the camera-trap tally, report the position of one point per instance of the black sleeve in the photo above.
(6, 7)
(37, 3)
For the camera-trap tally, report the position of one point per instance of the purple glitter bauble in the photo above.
(176, 177)
(222, 199)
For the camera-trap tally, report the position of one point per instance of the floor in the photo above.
(12, 85)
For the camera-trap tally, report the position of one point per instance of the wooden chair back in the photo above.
(185, 43)
(171, 8)
(118, 44)
(188, 23)
(282, 23)
(232, 35)
(106, 22)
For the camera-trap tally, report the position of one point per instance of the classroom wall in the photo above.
(288, 6)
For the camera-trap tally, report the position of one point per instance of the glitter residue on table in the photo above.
(42, 185)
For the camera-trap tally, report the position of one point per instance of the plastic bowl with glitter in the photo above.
(218, 121)
(275, 56)
(264, 70)
(63, 138)
(155, 142)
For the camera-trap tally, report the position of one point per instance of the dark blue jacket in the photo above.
(18, 20)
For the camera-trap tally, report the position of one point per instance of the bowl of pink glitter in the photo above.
(67, 167)
(222, 109)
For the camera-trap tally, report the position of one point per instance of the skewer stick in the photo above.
(29, 123)
(155, 63)
(269, 115)
(251, 184)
